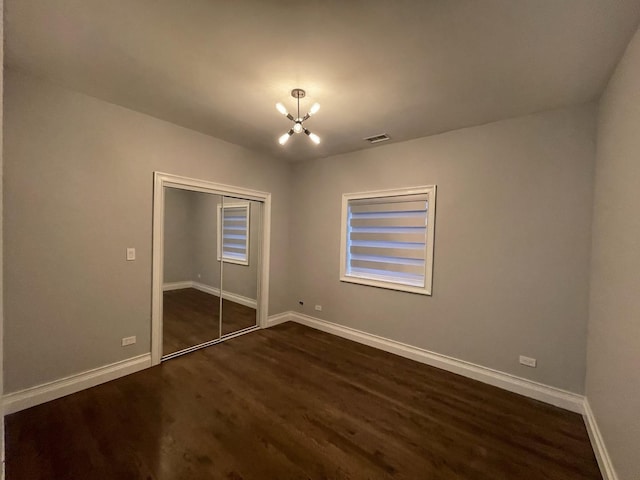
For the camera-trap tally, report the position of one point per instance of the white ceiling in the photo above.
(407, 68)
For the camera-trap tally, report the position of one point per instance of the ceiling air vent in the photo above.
(383, 137)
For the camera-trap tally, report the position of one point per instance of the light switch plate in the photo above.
(131, 253)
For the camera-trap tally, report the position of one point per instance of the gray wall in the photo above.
(512, 243)
(190, 247)
(178, 235)
(613, 361)
(205, 268)
(78, 183)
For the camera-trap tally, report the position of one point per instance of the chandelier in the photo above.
(298, 93)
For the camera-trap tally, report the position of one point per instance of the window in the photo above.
(387, 238)
(233, 223)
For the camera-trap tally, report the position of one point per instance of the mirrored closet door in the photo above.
(211, 268)
(241, 222)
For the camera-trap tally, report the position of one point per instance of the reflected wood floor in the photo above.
(292, 403)
(192, 317)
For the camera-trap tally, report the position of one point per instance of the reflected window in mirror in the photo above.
(233, 226)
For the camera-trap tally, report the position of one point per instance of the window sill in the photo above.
(387, 285)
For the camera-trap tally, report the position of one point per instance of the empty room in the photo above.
(364, 239)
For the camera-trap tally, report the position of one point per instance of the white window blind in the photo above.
(387, 240)
(234, 245)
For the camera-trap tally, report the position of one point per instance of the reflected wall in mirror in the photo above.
(240, 227)
(211, 264)
(191, 274)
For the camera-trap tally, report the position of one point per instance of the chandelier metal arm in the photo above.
(314, 138)
(298, 93)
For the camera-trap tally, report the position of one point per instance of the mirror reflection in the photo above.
(211, 265)
(240, 229)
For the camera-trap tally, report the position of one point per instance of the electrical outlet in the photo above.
(528, 361)
(319, 308)
(128, 341)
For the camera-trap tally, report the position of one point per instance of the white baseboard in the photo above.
(30, 397)
(233, 297)
(538, 391)
(203, 287)
(597, 442)
(176, 285)
(279, 318)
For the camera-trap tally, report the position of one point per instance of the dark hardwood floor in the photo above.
(192, 317)
(294, 403)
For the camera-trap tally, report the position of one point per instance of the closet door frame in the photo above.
(162, 180)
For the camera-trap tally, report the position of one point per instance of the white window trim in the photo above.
(220, 230)
(430, 191)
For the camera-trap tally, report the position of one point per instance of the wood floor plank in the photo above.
(191, 317)
(295, 403)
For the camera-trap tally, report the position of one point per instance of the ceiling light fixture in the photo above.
(298, 93)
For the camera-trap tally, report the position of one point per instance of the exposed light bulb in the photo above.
(298, 126)
(281, 108)
(314, 109)
(284, 138)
